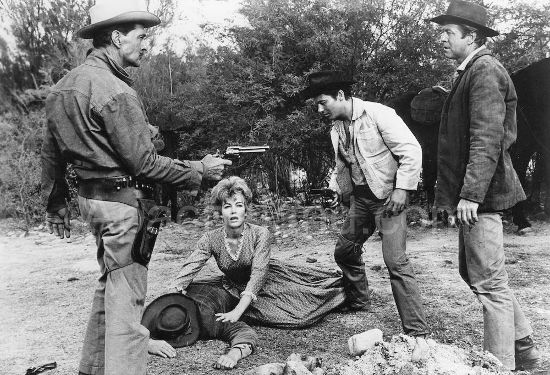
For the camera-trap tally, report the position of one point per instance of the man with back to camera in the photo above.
(378, 160)
(476, 179)
(97, 123)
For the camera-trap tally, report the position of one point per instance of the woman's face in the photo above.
(234, 211)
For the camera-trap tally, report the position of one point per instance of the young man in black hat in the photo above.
(476, 180)
(97, 123)
(378, 160)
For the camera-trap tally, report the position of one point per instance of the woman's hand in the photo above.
(228, 317)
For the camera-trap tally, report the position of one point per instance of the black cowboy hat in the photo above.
(319, 82)
(463, 12)
(173, 318)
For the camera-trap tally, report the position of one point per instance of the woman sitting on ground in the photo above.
(255, 287)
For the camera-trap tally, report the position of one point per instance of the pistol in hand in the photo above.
(235, 152)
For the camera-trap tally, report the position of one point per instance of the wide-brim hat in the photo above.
(173, 318)
(107, 13)
(324, 80)
(464, 12)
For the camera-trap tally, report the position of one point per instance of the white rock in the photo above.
(360, 343)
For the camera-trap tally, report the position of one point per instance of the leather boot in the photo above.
(527, 355)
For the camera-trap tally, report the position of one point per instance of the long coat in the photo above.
(478, 126)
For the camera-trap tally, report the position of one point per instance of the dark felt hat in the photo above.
(172, 317)
(464, 12)
(319, 82)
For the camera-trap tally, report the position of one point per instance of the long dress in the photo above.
(283, 295)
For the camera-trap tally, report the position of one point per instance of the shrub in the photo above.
(20, 168)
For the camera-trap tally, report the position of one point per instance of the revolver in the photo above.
(235, 152)
(329, 198)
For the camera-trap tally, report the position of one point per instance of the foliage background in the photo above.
(243, 91)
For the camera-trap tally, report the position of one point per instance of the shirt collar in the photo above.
(462, 66)
(357, 109)
(103, 56)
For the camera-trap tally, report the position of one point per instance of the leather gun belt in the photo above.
(124, 189)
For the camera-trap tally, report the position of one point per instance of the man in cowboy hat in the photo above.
(476, 179)
(378, 161)
(97, 123)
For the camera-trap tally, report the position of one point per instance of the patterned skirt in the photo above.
(295, 296)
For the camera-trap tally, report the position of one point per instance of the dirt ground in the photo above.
(47, 286)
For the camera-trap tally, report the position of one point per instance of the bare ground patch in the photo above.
(47, 287)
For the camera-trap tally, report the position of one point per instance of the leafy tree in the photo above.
(246, 92)
(528, 38)
(44, 34)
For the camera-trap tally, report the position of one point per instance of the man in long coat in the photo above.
(476, 179)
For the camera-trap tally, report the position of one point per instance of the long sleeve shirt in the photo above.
(247, 273)
(97, 123)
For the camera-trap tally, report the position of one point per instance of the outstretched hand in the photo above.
(228, 317)
(161, 348)
(59, 222)
(213, 167)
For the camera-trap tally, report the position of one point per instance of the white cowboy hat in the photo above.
(115, 12)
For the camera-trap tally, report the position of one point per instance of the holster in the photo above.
(151, 217)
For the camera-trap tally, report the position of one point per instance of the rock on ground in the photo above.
(395, 358)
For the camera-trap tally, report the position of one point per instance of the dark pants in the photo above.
(212, 299)
(365, 214)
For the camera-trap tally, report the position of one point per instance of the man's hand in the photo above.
(466, 212)
(396, 202)
(59, 223)
(228, 317)
(213, 167)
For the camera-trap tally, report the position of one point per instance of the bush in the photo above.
(20, 167)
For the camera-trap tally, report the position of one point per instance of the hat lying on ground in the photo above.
(325, 80)
(107, 13)
(463, 12)
(172, 317)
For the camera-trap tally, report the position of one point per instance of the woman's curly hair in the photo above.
(226, 188)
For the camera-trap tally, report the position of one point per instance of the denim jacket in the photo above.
(478, 126)
(96, 122)
(388, 153)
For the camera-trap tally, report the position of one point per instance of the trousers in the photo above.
(115, 342)
(365, 214)
(212, 299)
(481, 262)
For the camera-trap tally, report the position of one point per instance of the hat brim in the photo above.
(141, 17)
(154, 308)
(444, 19)
(312, 91)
